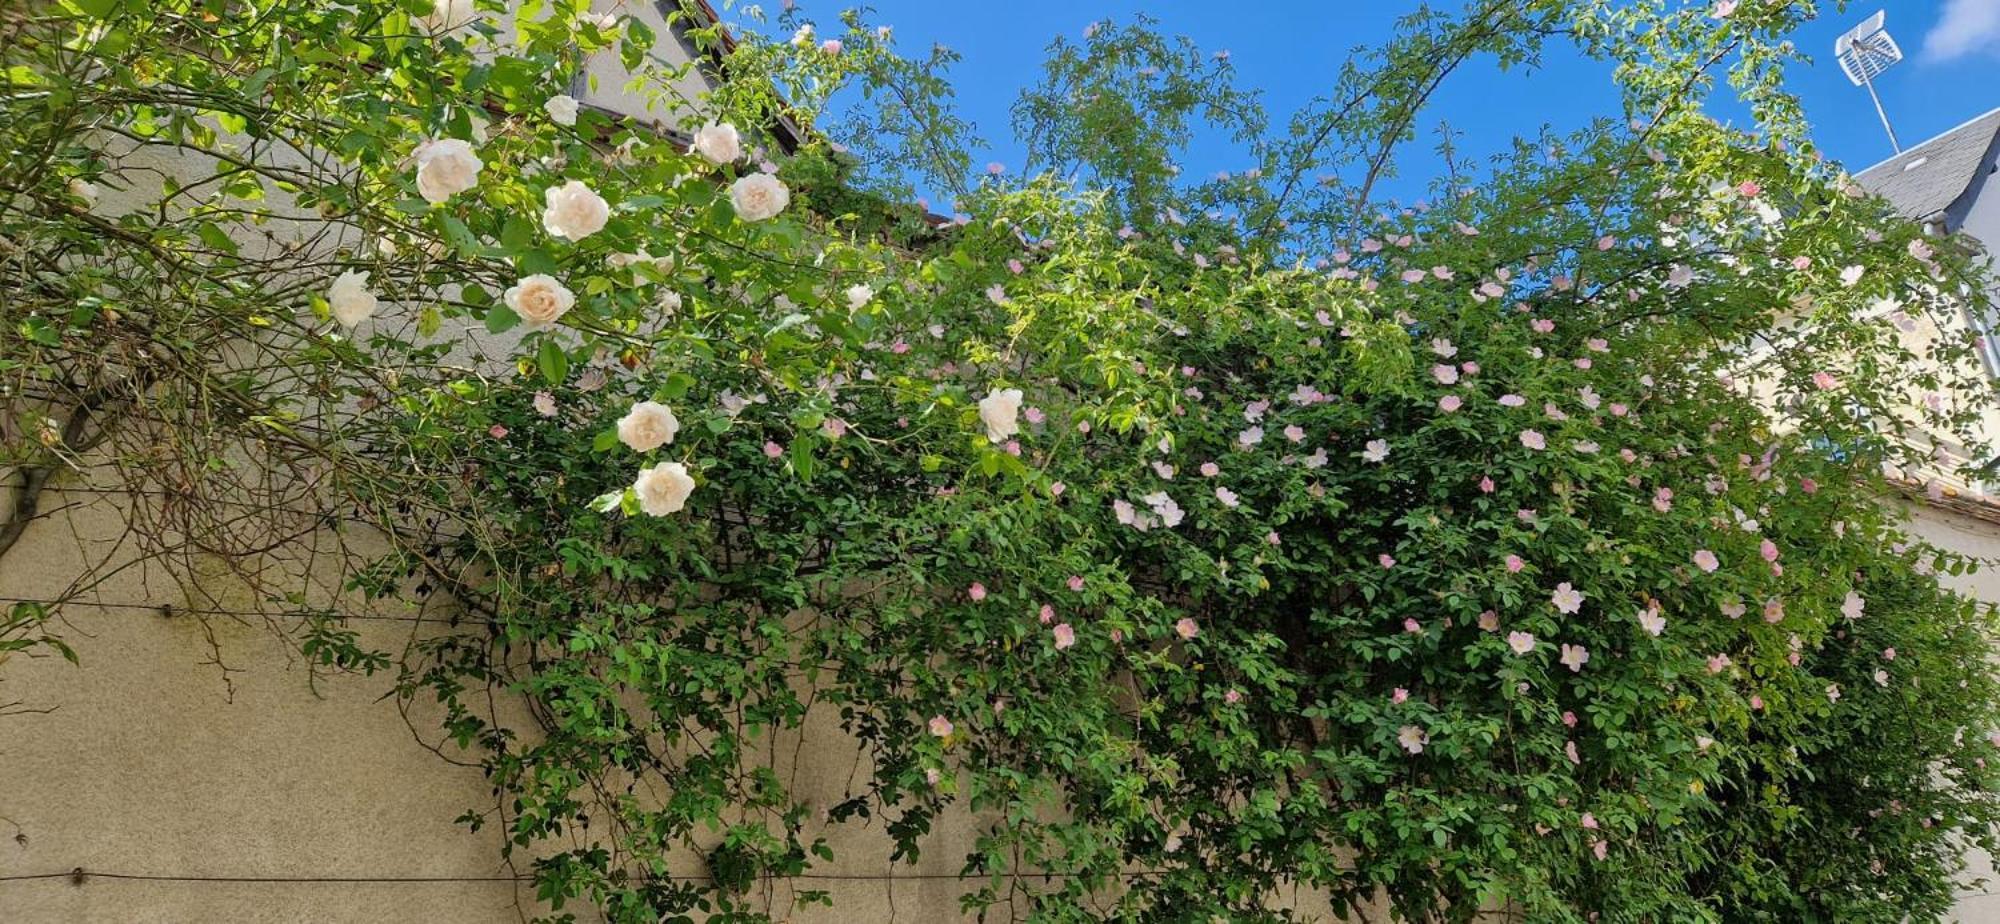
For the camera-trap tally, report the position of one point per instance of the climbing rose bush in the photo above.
(1237, 549)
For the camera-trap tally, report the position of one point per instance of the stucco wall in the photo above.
(195, 745)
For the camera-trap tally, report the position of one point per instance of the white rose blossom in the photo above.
(447, 15)
(858, 296)
(350, 299)
(648, 426)
(562, 109)
(446, 167)
(1000, 410)
(759, 196)
(574, 211)
(663, 489)
(720, 144)
(540, 300)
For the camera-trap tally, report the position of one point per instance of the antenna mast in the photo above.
(1864, 53)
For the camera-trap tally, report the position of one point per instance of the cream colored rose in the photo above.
(648, 426)
(858, 296)
(350, 299)
(719, 143)
(574, 211)
(758, 196)
(446, 15)
(540, 300)
(1001, 412)
(445, 167)
(663, 489)
(561, 109)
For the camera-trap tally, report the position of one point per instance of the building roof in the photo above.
(1928, 178)
(789, 134)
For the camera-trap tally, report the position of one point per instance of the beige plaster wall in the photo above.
(199, 746)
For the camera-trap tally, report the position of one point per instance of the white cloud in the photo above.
(1967, 26)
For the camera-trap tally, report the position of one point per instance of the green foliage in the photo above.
(1234, 594)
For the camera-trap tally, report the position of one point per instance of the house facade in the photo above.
(1951, 184)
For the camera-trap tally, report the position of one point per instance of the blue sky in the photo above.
(1290, 49)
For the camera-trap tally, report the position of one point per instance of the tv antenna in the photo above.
(1865, 52)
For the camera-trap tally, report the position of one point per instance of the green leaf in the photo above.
(500, 318)
(215, 237)
(802, 458)
(460, 236)
(553, 362)
(97, 9)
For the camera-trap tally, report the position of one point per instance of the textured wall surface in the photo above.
(198, 746)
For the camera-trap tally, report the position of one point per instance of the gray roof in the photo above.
(1928, 178)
